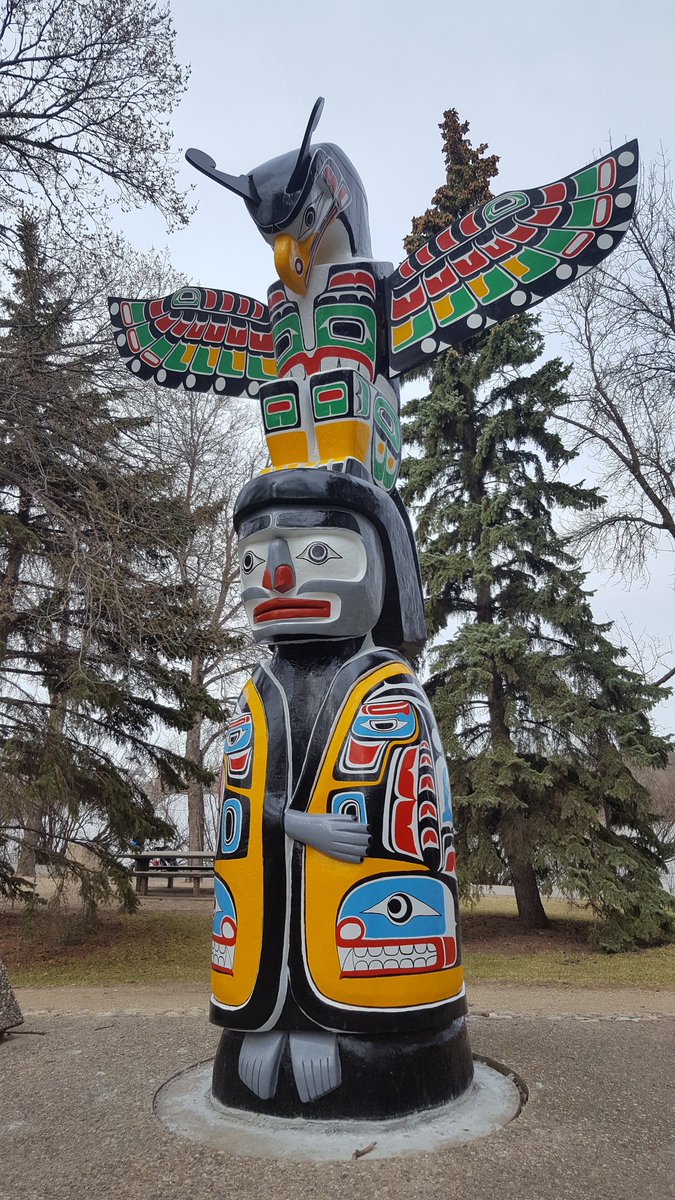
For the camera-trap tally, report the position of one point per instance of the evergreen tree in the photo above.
(541, 719)
(93, 639)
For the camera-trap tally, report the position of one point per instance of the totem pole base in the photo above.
(382, 1077)
(185, 1104)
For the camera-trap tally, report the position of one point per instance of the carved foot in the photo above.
(316, 1064)
(259, 1060)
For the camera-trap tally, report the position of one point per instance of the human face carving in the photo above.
(308, 574)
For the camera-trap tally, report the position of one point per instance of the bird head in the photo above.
(309, 205)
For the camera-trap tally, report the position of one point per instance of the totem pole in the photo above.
(337, 972)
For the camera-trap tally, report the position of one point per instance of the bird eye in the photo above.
(318, 553)
(310, 216)
(249, 560)
(400, 907)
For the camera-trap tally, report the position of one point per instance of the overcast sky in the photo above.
(549, 86)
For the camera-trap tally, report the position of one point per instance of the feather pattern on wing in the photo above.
(506, 256)
(201, 338)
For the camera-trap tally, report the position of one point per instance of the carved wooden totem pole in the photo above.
(337, 971)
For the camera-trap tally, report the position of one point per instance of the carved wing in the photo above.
(202, 338)
(506, 256)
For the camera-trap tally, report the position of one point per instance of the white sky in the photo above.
(547, 85)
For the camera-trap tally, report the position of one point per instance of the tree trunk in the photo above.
(10, 581)
(193, 752)
(530, 908)
(33, 833)
(27, 851)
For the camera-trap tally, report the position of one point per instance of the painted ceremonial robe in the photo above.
(364, 948)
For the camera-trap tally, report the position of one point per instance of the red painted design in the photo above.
(403, 306)
(155, 308)
(284, 578)
(196, 330)
(214, 333)
(468, 225)
(261, 343)
(441, 282)
(554, 193)
(237, 763)
(445, 241)
(424, 256)
(237, 335)
(326, 395)
(360, 754)
(470, 263)
(498, 247)
(545, 216)
(352, 279)
(521, 233)
(295, 609)
(312, 362)
(429, 839)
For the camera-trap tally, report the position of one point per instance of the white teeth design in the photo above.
(360, 960)
(222, 956)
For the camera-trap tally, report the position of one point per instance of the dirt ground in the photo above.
(499, 1001)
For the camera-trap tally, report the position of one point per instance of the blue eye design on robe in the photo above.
(396, 924)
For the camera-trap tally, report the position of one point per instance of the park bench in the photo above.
(192, 865)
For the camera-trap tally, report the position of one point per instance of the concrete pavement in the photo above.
(76, 1115)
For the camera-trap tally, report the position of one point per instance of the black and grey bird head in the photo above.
(309, 205)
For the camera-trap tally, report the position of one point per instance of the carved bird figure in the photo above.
(325, 353)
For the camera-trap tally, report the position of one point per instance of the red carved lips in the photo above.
(291, 609)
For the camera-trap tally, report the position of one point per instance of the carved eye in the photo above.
(318, 553)
(400, 907)
(310, 216)
(249, 560)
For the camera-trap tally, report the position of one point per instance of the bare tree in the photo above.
(86, 87)
(210, 446)
(618, 322)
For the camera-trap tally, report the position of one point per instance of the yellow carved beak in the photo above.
(293, 260)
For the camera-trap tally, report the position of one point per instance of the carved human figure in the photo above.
(335, 874)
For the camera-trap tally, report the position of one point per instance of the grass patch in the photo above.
(144, 948)
(173, 946)
(651, 968)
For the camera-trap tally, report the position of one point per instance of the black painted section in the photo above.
(381, 1077)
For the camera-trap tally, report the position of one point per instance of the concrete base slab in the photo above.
(185, 1105)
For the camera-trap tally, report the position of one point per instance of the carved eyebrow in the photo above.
(308, 518)
(254, 525)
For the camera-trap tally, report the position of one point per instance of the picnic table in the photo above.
(193, 865)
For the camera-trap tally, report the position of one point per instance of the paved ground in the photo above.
(76, 1114)
(501, 999)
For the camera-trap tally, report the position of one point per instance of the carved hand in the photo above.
(340, 837)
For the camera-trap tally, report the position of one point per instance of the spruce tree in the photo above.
(94, 629)
(542, 721)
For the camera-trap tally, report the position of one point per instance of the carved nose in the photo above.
(284, 578)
